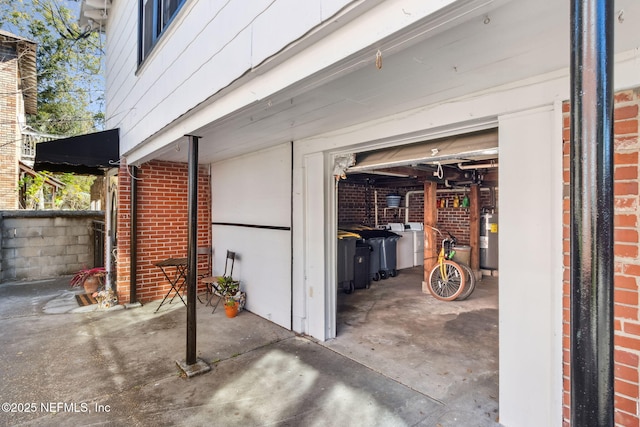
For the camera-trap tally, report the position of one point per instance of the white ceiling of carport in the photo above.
(521, 39)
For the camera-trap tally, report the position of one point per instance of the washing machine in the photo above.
(417, 229)
(404, 246)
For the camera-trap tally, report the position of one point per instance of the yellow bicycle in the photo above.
(448, 279)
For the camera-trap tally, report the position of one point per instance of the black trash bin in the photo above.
(388, 257)
(374, 257)
(346, 255)
(361, 269)
(383, 257)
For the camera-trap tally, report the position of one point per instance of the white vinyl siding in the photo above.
(207, 46)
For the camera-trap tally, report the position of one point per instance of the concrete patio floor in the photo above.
(445, 350)
(65, 366)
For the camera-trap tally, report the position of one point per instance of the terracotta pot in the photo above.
(91, 284)
(231, 310)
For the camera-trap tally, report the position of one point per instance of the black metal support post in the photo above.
(592, 213)
(133, 239)
(192, 248)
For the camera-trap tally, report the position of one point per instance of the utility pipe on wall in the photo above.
(375, 205)
(406, 203)
(464, 167)
(133, 238)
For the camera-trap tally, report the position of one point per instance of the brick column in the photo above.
(627, 264)
(9, 135)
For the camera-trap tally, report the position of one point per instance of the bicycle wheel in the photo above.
(471, 283)
(449, 289)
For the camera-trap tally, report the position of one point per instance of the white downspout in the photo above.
(375, 204)
(108, 222)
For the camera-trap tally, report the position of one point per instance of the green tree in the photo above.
(75, 194)
(70, 84)
(68, 64)
(34, 191)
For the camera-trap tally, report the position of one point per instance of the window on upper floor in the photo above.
(154, 17)
(28, 147)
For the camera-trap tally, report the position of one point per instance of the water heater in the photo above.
(489, 241)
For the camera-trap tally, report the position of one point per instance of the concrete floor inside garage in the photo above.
(447, 351)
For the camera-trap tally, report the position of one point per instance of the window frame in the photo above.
(152, 24)
(28, 147)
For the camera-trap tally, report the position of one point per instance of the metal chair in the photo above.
(204, 252)
(204, 257)
(211, 282)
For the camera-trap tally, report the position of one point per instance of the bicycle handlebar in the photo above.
(451, 236)
(435, 229)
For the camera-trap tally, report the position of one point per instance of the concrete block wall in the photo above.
(627, 264)
(162, 225)
(44, 244)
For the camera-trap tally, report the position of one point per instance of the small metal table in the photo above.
(177, 280)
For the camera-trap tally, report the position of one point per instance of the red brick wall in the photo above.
(356, 206)
(456, 220)
(627, 265)
(162, 224)
(9, 144)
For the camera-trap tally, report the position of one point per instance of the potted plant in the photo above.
(231, 307)
(89, 278)
(229, 290)
(227, 286)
